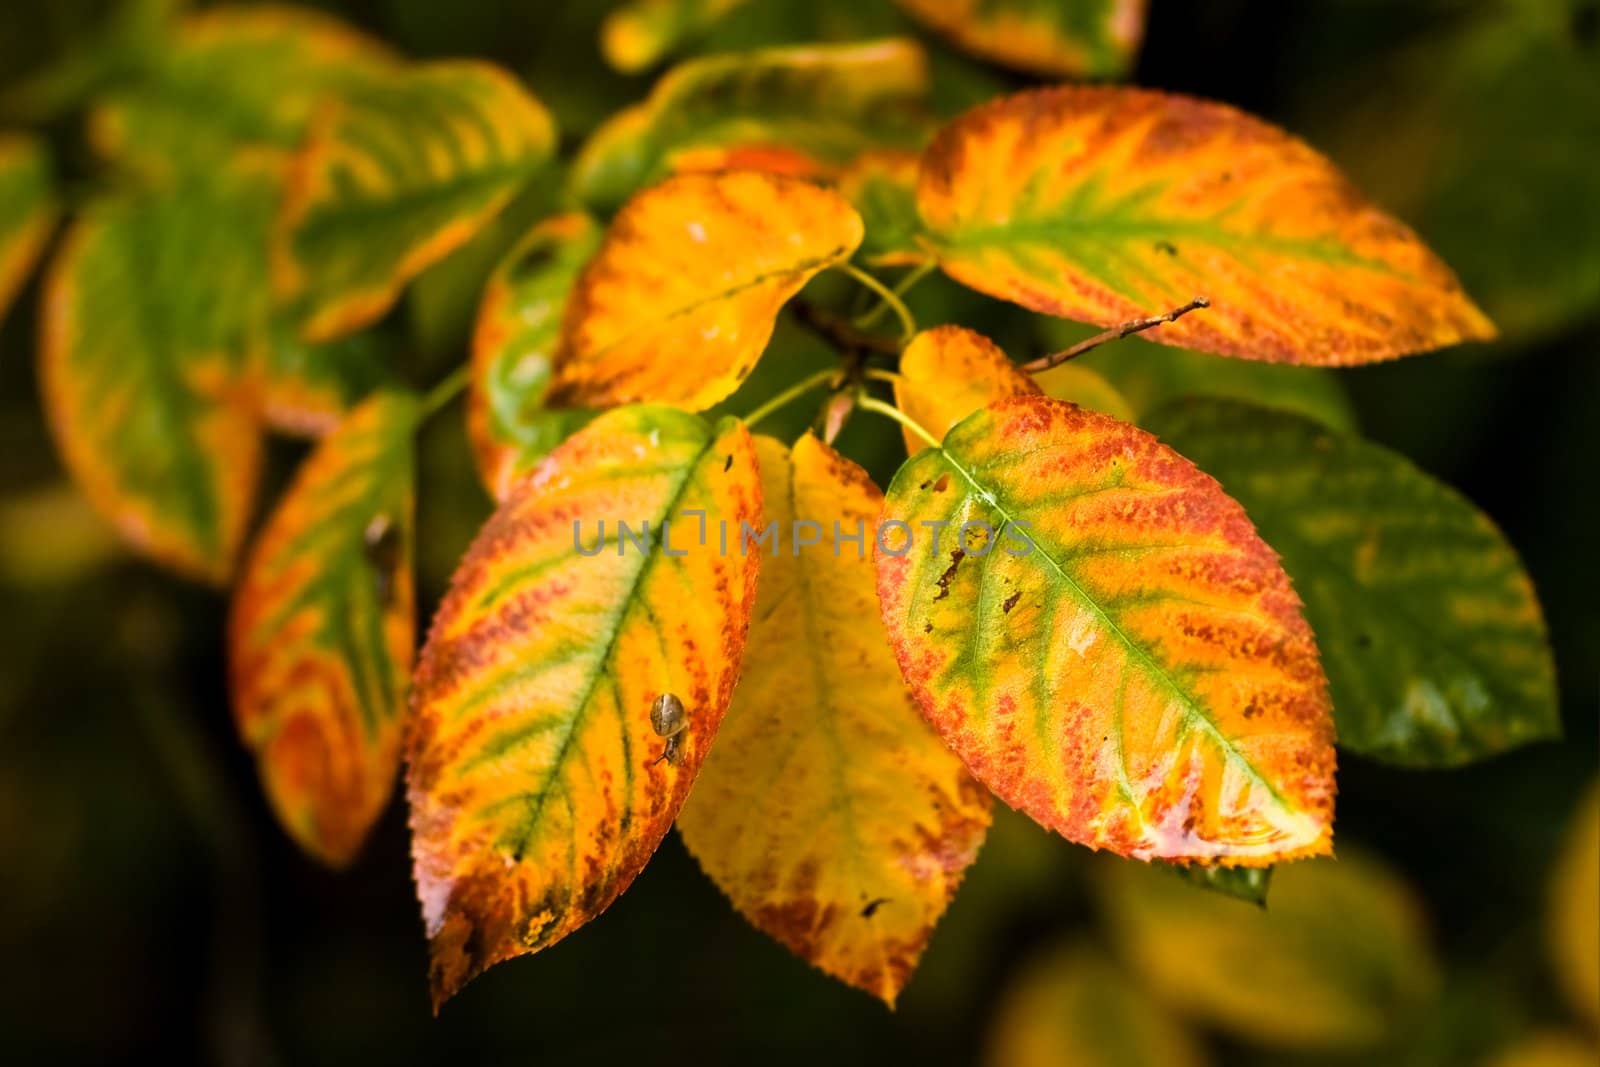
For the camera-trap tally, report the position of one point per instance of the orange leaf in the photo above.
(1103, 638)
(829, 812)
(680, 301)
(1064, 38)
(949, 372)
(536, 778)
(1105, 205)
(322, 631)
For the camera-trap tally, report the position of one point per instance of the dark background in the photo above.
(149, 907)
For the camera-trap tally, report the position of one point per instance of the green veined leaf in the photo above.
(513, 350)
(27, 211)
(802, 111)
(1060, 38)
(1429, 627)
(395, 175)
(642, 33)
(1103, 638)
(305, 389)
(537, 782)
(832, 816)
(322, 631)
(1338, 960)
(233, 79)
(1105, 205)
(1074, 1006)
(152, 306)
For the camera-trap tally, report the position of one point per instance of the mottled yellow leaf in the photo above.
(537, 782)
(395, 174)
(949, 372)
(1106, 205)
(1337, 959)
(322, 631)
(830, 813)
(681, 299)
(1100, 634)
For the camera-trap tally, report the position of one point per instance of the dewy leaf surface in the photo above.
(537, 785)
(1430, 631)
(1061, 38)
(1104, 205)
(949, 372)
(396, 174)
(232, 79)
(1122, 658)
(513, 349)
(27, 211)
(834, 818)
(1338, 959)
(681, 300)
(641, 33)
(323, 628)
(802, 110)
(150, 309)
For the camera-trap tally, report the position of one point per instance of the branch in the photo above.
(1116, 333)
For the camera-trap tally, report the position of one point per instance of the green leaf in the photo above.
(799, 110)
(641, 33)
(519, 323)
(1242, 883)
(1429, 628)
(305, 389)
(394, 176)
(233, 79)
(27, 211)
(152, 306)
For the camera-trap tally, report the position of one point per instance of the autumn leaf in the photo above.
(1116, 652)
(151, 306)
(1086, 388)
(1074, 1006)
(306, 390)
(513, 347)
(832, 816)
(1433, 640)
(27, 211)
(800, 111)
(376, 195)
(641, 33)
(1339, 959)
(882, 185)
(322, 631)
(232, 80)
(949, 372)
(537, 784)
(1105, 204)
(681, 299)
(1573, 924)
(1061, 38)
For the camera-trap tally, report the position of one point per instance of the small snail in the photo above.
(669, 720)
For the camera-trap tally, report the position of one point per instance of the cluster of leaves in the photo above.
(1148, 618)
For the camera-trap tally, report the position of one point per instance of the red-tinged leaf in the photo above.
(833, 817)
(537, 782)
(1120, 656)
(323, 628)
(1106, 205)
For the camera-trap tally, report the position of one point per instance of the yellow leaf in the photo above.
(322, 630)
(641, 33)
(1085, 388)
(1074, 1006)
(1065, 38)
(1105, 205)
(949, 372)
(1574, 922)
(1548, 1048)
(537, 782)
(395, 174)
(1337, 959)
(831, 815)
(1100, 634)
(681, 299)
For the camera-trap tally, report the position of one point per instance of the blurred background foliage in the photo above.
(152, 908)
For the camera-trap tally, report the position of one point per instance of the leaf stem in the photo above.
(867, 402)
(908, 325)
(446, 391)
(1116, 333)
(798, 389)
(880, 374)
(901, 288)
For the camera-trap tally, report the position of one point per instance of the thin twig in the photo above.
(1116, 333)
(838, 330)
